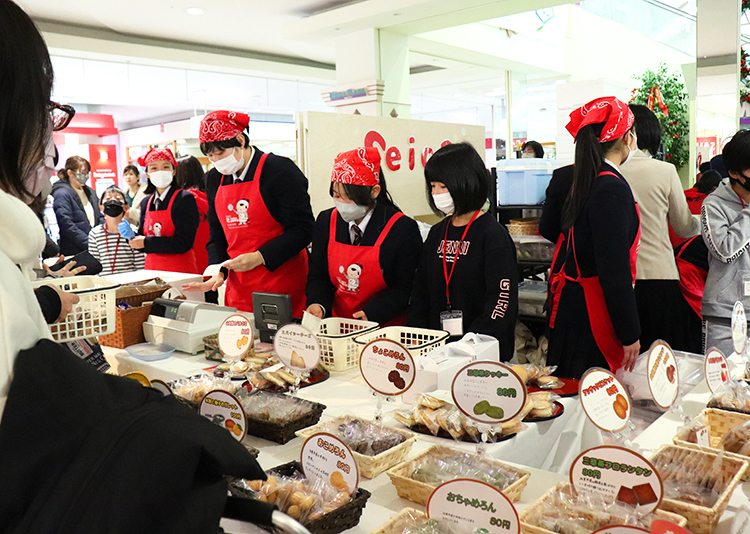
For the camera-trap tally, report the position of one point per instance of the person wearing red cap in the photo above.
(364, 250)
(169, 218)
(593, 313)
(259, 216)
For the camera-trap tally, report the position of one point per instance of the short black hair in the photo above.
(705, 166)
(189, 174)
(537, 146)
(131, 168)
(110, 189)
(215, 146)
(462, 170)
(736, 153)
(709, 181)
(648, 128)
(362, 194)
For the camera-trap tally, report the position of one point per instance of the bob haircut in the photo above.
(216, 146)
(189, 174)
(736, 153)
(460, 168)
(131, 168)
(648, 127)
(536, 146)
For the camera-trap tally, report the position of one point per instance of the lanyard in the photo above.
(455, 258)
(117, 247)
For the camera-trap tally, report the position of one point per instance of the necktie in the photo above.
(357, 234)
(157, 203)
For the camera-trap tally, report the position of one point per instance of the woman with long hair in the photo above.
(76, 206)
(593, 315)
(190, 177)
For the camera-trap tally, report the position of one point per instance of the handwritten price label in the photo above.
(223, 409)
(716, 370)
(235, 337)
(488, 392)
(605, 400)
(473, 505)
(387, 367)
(297, 347)
(326, 457)
(663, 375)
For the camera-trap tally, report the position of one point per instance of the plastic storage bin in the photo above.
(93, 316)
(523, 181)
(338, 351)
(533, 248)
(532, 295)
(419, 341)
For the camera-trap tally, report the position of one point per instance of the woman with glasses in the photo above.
(76, 206)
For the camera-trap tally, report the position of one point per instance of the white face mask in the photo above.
(526, 155)
(160, 179)
(631, 152)
(229, 164)
(350, 211)
(444, 202)
(37, 181)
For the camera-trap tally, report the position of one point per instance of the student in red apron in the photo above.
(364, 251)
(259, 216)
(593, 314)
(169, 218)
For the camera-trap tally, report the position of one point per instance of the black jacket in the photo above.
(399, 256)
(82, 451)
(550, 224)
(71, 217)
(185, 217)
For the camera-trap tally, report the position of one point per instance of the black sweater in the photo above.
(484, 285)
(550, 224)
(283, 188)
(185, 218)
(399, 256)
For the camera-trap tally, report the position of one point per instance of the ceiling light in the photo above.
(194, 11)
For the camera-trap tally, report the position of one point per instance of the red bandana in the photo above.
(222, 125)
(610, 110)
(360, 166)
(157, 154)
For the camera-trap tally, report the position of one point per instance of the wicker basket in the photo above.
(123, 293)
(213, 352)
(419, 341)
(338, 351)
(525, 226)
(284, 432)
(419, 492)
(128, 327)
(700, 519)
(528, 528)
(371, 466)
(403, 519)
(339, 519)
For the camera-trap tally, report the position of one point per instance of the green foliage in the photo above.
(676, 124)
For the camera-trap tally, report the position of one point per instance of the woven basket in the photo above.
(140, 298)
(525, 226)
(528, 528)
(284, 432)
(128, 327)
(403, 519)
(339, 519)
(371, 466)
(419, 492)
(700, 519)
(213, 352)
(718, 423)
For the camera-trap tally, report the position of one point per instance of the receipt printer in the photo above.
(271, 311)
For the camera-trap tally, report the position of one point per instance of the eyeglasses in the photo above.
(61, 115)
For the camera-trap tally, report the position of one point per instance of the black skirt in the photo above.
(665, 314)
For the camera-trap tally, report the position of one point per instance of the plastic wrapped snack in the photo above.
(266, 406)
(689, 432)
(543, 404)
(737, 439)
(692, 478)
(735, 396)
(424, 525)
(194, 388)
(530, 372)
(434, 471)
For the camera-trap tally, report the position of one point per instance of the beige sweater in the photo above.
(661, 200)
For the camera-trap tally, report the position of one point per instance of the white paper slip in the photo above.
(214, 269)
(311, 322)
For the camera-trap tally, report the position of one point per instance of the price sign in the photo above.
(488, 392)
(235, 337)
(739, 326)
(161, 386)
(701, 436)
(620, 529)
(716, 370)
(297, 347)
(741, 523)
(618, 474)
(223, 409)
(662, 526)
(475, 505)
(663, 375)
(605, 400)
(387, 367)
(326, 457)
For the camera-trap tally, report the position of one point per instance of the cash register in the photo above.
(184, 323)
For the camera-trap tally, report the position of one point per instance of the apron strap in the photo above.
(259, 168)
(395, 217)
(334, 221)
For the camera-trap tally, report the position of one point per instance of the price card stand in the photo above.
(473, 506)
(388, 368)
(663, 378)
(607, 404)
(298, 349)
(235, 338)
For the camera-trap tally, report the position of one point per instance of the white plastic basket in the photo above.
(94, 315)
(419, 341)
(338, 351)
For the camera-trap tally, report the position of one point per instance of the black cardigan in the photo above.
(185, 217)
(399, 256)
(550, 224)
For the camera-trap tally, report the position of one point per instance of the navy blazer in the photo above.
(71, 217)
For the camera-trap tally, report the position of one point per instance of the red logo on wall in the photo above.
(103, 159)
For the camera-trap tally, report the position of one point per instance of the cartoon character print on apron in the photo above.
(601, 323)
(160, 224)
(355, 272)
(246, 234)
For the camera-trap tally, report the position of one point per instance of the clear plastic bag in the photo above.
(692, 477)
(734, 396)
(434, 470)
(194, 388)
(737, 439)
(363, 437)
(266, 406)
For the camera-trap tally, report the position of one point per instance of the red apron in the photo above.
(203, 233)
(601, 323)
(234, 203)
(355, 272)
(159, 224)
(692, 279)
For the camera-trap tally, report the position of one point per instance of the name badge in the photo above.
(452, 322)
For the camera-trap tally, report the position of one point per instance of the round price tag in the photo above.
(662, 526)
(139, 377)
(326, 457)
(741, 523)
(618, 474)
(475, 505)
(488, 392)
(739, 327)
(235, 337)
(605, 400)
(223, 409)
(387, 367)
(297, 347)
(663, 375)
(716, 370)
(620, 529)
(161, 386)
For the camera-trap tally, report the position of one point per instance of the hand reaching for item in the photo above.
(360, 315)
(245, 262)
(69, 269)
(212, 284)
(316, 310)
(631, 355)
